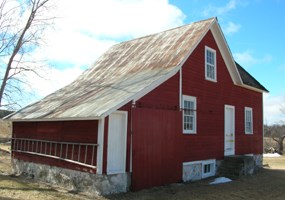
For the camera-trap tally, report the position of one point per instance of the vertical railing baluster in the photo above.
(45, 148)
(60, 155)
(41, 147)
(66, 150)
(86, 148)
(55, 144)
(28, 145)
(79, 153)
(50, 147)
(92, 155)
(72, 153)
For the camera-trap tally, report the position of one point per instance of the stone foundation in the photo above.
(74, 180)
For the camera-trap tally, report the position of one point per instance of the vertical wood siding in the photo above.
(158, 151)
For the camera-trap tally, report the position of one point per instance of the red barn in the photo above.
(151, 111)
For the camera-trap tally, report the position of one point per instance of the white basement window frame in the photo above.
(189, 114)
(210, 64)
(208, 168)
(248, 120)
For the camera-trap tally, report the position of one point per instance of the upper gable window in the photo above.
(210, 64)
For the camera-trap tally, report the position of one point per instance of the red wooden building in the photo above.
(155, 110)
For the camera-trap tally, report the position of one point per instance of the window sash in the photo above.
(210, 64)
(248, 121)
(189, 114)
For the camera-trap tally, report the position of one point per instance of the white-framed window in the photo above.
(208, 168)
(248, 120)
(210, 64)
(189, 114)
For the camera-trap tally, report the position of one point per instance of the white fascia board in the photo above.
(54, 119)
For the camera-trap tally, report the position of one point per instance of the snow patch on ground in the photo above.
(220, 180)
(271, 155)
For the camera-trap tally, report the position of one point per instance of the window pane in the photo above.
(210, 72)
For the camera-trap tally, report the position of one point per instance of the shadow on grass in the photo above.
(14, 183)
(28, 189)
(6, 198)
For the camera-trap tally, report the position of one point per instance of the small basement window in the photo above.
(208, 168)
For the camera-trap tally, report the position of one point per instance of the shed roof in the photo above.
(125, 72)
(248, 79)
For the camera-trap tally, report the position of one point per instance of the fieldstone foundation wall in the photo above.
(74, 180)
(252, 163)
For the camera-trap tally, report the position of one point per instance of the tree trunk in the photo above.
(280, 144)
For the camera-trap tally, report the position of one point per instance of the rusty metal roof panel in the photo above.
(122, 72)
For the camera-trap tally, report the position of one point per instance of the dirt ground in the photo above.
(268, 183)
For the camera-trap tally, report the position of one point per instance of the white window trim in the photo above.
(194, 99)
(245, 130)
(212, 172)
(215, 64)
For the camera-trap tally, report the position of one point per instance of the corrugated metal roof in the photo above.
(125, 72)
(122, 72)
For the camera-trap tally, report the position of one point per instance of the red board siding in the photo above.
(166, 96)
(149, 126)
(211, 99)
(66, 131)
(156, 158)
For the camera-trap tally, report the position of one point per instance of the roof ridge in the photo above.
(152, 34)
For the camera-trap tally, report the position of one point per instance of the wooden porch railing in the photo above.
(78, 153)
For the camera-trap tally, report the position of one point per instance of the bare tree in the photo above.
(22, 24)
(277, 133)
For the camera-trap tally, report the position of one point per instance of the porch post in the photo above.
(100, 147)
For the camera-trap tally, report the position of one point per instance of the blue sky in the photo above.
(254, 30)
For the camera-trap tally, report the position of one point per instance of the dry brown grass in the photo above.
(269, 183)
